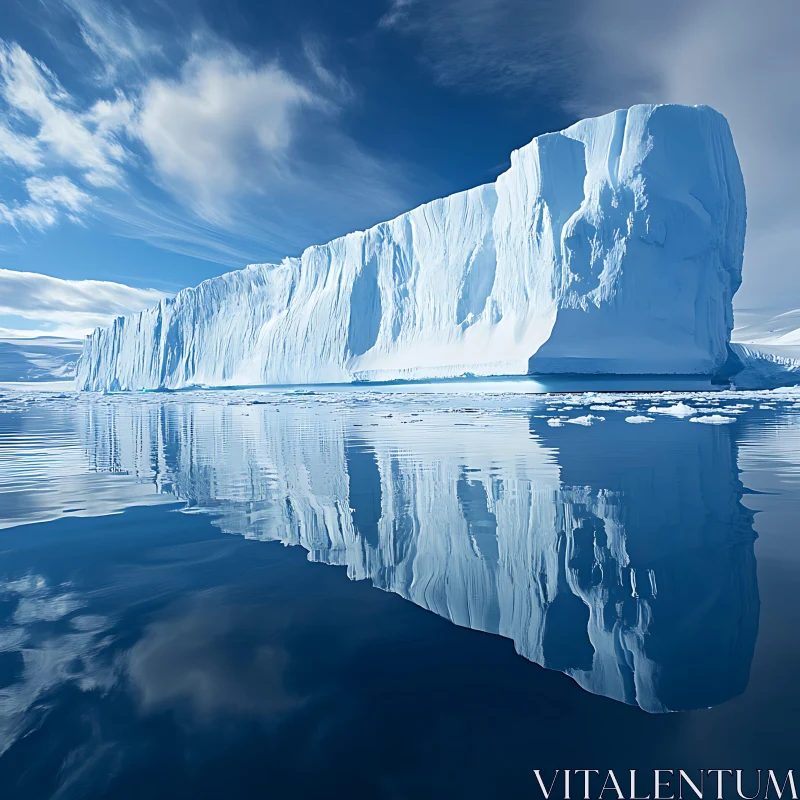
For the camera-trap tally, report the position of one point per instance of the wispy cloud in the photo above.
(66, 136)
(491, 45)
(43, 134)
(49, 198)
(189, 144)
(17, 148)
(67, 308)
(113, 36)
(258, 154)
(221, 129)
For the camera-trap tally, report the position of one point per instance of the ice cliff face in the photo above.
(614, 246)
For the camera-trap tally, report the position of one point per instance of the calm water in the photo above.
(551, 591)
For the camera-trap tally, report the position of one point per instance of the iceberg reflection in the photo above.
(618, 554)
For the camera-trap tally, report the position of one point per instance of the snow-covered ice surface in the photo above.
(40, 359)
(764, 370)
(777, 335)
(612, 247)
(618, 553)
(679, 409)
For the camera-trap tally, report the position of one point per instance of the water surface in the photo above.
(565, 585)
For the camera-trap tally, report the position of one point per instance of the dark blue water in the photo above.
(556, 595)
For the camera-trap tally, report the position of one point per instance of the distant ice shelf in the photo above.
(763, 370)
(612, 247)
(39, 359)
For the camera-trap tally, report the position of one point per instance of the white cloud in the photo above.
(16, 148)
(58, 191)
(258, 153)
(48, 199)
(112, 116)
(188, 143)
(29, 215)
(397, 15)
(171, 229)
(66, 307)
(336, 87)
(220, 129)
(64, 134)
(112, 36)
(250, 158)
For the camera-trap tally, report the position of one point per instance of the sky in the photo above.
(148, 145)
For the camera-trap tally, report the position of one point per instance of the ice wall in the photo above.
(614, 246)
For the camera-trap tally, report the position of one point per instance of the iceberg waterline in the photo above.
(612, 247)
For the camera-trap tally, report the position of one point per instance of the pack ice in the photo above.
(612, 247)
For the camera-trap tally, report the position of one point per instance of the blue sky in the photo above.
(154, 144)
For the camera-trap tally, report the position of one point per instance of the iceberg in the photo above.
(612, 247)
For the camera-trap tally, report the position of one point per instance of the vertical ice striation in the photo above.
(614, 246)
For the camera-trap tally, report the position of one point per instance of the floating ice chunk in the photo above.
(607, 408)
(713, 419)
(638, 419)
(678, 410)
(588, 419)
(555, 422)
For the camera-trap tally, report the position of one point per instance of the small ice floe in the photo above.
(713, 419)
(555, 422)
(719, 409)
(607, 408)
(638, 419)
(678, 410)
(588, 419)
